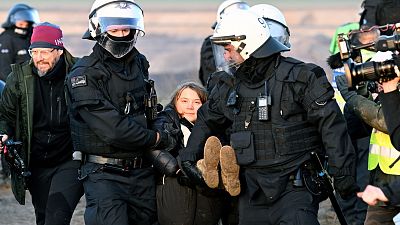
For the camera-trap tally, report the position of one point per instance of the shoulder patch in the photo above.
(22, 52)
(78, 81)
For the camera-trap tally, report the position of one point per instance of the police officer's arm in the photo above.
(120, 131)
(391, 110)
(8, 106)
(325, 114)
(211, 120)
(104, 119)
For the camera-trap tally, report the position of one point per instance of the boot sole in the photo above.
(211, 160)
(230, 170)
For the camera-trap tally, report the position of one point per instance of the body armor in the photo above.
(284, 139)
(127, 96)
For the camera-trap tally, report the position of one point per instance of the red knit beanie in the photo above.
(47, 35)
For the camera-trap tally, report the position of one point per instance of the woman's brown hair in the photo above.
(201, 92)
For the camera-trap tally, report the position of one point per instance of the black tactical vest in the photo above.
(282, 141)
(126, 93)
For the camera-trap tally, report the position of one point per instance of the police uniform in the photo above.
(13, 49)
(207, 65)
(108, 125)
(271, 145)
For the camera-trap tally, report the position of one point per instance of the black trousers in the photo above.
(113, 199)
(295, 206)
(181, 205)
(55, 193)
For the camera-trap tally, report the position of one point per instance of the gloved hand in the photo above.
(342, 86)
(194, 174)
(185, 180)
(396, 59)
(164, 162)
(166, 142)
(346, 186)
(362, 88)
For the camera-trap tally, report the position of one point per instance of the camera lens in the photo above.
(374, 71)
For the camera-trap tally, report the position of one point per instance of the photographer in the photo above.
(381, 153)
(390, 98)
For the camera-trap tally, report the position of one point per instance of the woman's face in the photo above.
(187, 104)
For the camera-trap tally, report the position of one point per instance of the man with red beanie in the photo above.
(33, 110)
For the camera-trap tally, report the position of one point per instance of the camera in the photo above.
(373, 71)
(350, 55)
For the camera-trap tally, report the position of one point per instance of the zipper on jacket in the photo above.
(51, 102)
(49, 137)
(59, 109)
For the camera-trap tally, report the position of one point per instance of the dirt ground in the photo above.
(174, 34)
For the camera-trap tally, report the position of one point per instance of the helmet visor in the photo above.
(279, 32)
(115, 23)
(226, 58)
(119, 15)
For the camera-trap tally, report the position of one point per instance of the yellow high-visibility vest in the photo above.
(382, 153)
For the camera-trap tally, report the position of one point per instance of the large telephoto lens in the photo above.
(374, 71)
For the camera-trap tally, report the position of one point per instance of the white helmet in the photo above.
(229, 6)
(249, 35)
(276, 22)
(107, 15)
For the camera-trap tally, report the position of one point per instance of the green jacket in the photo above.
(16, 113)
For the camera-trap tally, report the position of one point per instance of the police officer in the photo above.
(279, 110)
(207, 64)
(108, 92)
(14, 41)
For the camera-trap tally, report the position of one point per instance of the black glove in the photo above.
(341, 83)
(362, 88)
(166, 142)
(194, 174)
(346, 186)
(164, 162)
(185, 180)
(396, 59)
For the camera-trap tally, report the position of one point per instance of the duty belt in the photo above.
(134, 163)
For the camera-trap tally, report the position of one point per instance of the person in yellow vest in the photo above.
(387, 194)
(382, 156)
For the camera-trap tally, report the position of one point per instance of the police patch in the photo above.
(78, 81)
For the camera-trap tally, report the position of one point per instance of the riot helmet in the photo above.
(21, 12)
(229, 6)
(248, 34)
(107, 15)
(276, 22)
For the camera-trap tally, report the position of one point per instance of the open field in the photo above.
(175, 30)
